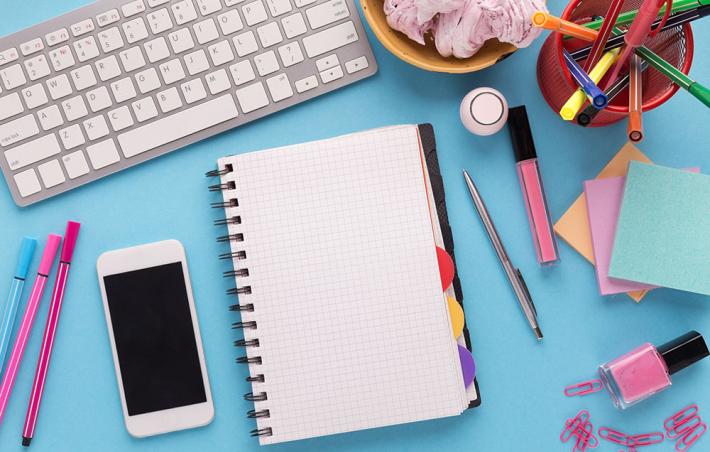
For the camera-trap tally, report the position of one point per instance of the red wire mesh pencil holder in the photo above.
(675, 45)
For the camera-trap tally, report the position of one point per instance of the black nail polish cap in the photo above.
(683, 351)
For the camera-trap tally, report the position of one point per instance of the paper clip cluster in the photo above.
(685, 427)
(582, 429)
(584, 388)
(632, 442)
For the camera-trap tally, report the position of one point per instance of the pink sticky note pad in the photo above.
(604, 198)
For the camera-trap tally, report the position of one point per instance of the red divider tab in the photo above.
(446, 268)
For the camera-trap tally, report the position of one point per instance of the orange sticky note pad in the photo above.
(573, 225)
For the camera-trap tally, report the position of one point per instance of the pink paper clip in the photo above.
(584, 388)
(614, 436)
(680, 417)
(585, 437)
(571, 426)
(691, 438)
(687, 425)
(645, 439)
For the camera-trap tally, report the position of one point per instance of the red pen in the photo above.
(604, 31)
(50, 331)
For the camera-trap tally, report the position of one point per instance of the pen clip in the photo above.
(527, 292)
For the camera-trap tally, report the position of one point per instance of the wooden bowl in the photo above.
(426, 57)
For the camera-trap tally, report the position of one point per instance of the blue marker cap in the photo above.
(27, 250)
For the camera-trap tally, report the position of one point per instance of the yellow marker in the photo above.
(545, 20)
(457, 319)
(574, 103)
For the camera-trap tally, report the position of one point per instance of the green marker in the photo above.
(629, 16)
(699, 91)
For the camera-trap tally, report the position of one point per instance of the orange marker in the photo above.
(635, 126)
(545, 20)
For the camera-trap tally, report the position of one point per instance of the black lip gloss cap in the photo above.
(684, 351)
(521, 134)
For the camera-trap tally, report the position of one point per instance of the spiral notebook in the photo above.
(344, 319)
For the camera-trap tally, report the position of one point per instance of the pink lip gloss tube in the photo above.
(647, 370)
(531, 184)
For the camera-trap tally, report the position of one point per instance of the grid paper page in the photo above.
(351, 320)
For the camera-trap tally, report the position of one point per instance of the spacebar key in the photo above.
(177, 126)
(330, 39)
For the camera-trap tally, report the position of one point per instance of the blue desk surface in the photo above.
(521, 381)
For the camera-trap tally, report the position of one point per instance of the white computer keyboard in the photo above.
(119, 82)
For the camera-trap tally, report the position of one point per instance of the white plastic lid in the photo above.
(484, 111)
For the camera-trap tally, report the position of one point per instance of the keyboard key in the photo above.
(193, 91)
(123, 90)
(8, 56)
(96, 128)
(221, 53)
(20, 129)
(120, 119)
(205, 31)
(108, 68)
(35, 96)
(135, 30)
(11, 105)
(157, 50)
(252, 97)
(181, 40)
(51, 173)
(99, 99)
(75, 164)
(103, 154)
(147, 80)
(196, 62)
(208, 6)
(83, 78)
(169, 100)
(266, 63)
(154, 3)
(327, 62)
(31, 47)
(230, 22)
(306, 84)
(27, 183)
(83, 27)
(145, 109)
(358, 64)
(86, 49)
(294, 25)
(184, 11)
(108, 18)
(279, 7)
(291, 54)
(110, 40)
(57, 37)
(133, 8)
(62, 58)
(327, 13)
(254, 13)
(331, 74)
(32, 152)
(242, 72)
(328, 40)
(50, 117)
(59, 87)
(232, 2)
(132, 59)
(245, 43)
(269, 34)
(302, 3)
(279, 87)
(74, 108)
(72, 137)
(159, 21)
(12, 77)
(37, 67)
(217, 82)
(177, 126)
(172, 71)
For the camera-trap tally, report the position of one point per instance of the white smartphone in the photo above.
(155, 338)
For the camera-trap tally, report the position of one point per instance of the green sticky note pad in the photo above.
(663, 228)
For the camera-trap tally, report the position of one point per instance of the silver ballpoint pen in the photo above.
(514, 275)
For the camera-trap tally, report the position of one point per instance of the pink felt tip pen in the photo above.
(23, 335)
(531, 184)
(50, 331)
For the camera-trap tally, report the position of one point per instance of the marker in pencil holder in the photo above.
(675, 45)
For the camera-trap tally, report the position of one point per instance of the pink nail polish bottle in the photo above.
(531, 184)
(647, 370)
